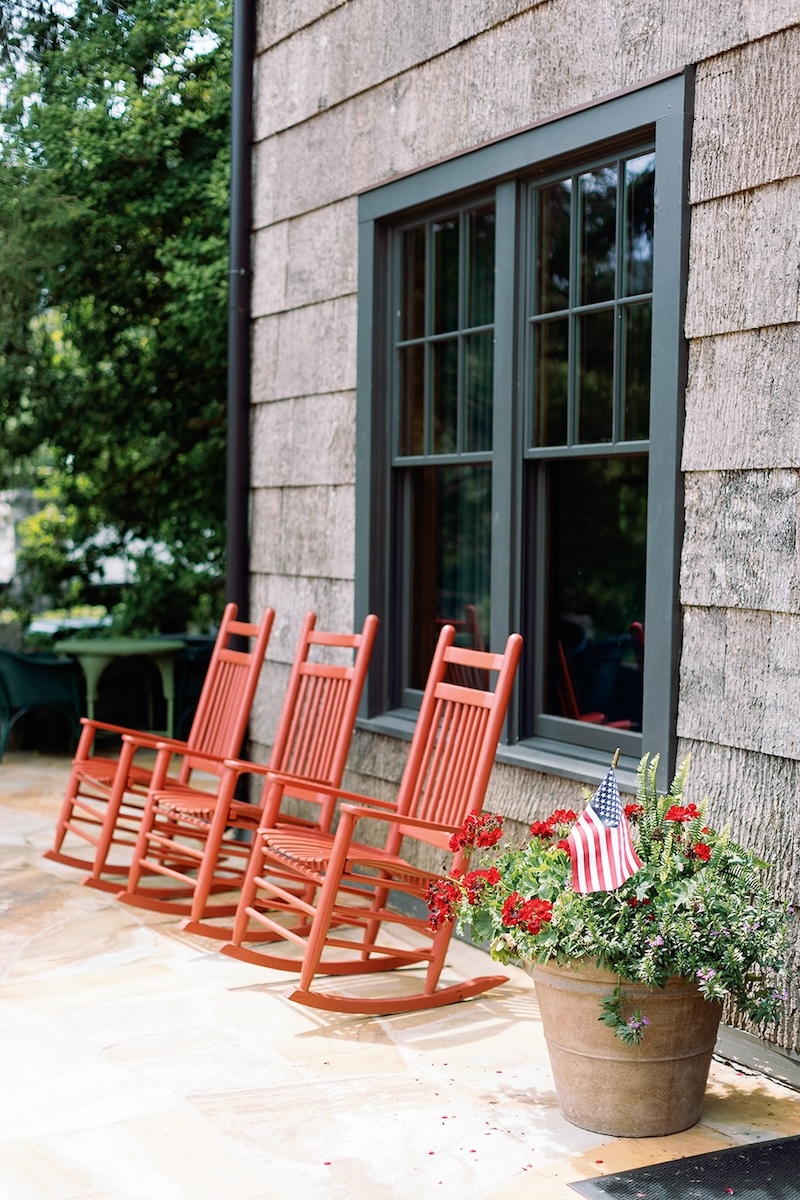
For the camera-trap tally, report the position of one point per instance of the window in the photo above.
(519, 407)
(586, 360)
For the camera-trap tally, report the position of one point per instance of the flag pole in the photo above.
(615, 759)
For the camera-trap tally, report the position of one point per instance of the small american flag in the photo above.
(600, 843)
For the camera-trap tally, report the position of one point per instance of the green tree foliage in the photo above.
(114, 177)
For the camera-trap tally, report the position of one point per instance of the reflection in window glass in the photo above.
(449, 559)
(412, 399)
(638, 322)
(596, 376)
(412, 324)
(596, 574)
(551, 382)
(445, 275)
(598, 192)
(553, 246)
(445, 396)
(479, 388)
(480, 266)
(640, 174)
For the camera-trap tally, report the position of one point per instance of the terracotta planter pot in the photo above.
(651, 1089)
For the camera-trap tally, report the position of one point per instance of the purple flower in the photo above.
(638, 1022)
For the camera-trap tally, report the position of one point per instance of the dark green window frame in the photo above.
(657, 115)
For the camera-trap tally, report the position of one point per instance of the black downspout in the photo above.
(237, 539)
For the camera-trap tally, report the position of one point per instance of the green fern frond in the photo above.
(679, 782)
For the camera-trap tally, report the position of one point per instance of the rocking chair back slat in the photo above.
(312, 750)
(461, 735)
(313, 736)
(218, 725)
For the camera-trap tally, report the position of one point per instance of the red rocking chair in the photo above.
(105, 796)
(192, 838)
(342, 893)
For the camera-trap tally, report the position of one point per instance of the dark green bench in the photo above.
(38, 681)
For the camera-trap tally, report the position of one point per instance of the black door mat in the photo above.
(758, 1171)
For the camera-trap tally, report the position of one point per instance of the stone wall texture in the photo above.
(349, 93)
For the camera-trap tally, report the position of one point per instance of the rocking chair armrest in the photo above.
(154, 741)
(107, 727)
(329, 790)
(166, 749)
(369, 803)
(398, 819)
(318, 785)
(176, 747)
(243, 766)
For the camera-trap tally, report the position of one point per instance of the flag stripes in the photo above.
(600, 844)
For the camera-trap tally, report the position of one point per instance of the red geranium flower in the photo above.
(529, 915)
(490, 831)
(702, 851)
(442, 897)
(682, 813)
(482, 830)
(542, 829)
(475, 882)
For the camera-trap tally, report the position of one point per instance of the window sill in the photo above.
(550, 757)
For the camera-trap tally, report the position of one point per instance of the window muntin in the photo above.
(444, 349)
(590, 304)
(444, 335)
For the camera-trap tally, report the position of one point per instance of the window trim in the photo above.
(662, 110)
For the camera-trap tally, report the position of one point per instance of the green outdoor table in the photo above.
(94, 655)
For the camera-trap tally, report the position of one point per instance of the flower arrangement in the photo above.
(697, 907)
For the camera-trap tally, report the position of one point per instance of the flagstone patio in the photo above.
(140, 1064)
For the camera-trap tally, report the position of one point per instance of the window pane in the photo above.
(640, 176)
(479, 368)
(412, 321)
(596, 377)
(445, 275)
(448, 554)
(552, 257)
(445, 397)
(480, 292)
(598, 234)
(551, 387)
(412, 400)
(637, 328)
(596, 548)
